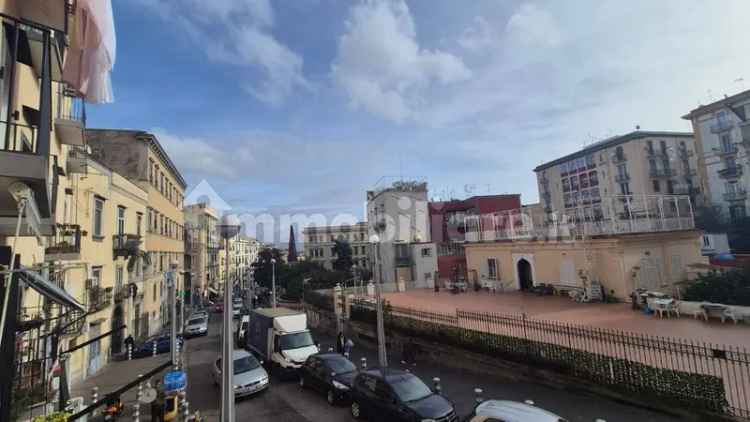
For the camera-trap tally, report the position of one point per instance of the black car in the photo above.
(163, 345)
(329, 373)
(397, 396)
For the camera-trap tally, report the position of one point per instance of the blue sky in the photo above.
(304, 104)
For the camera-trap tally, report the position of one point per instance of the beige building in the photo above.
(722, 136)
(139, 157)
(639, 163)
(319, 243)
(650, 246)
(244, 252)
(204, 246)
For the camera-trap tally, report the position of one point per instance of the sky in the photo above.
(301, 106)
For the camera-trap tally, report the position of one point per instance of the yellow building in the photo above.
(139, 157)
(203, 253)
(649, 246)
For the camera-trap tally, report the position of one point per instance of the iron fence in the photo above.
(695, 374)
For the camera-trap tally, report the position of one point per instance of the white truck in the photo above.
(280, 337)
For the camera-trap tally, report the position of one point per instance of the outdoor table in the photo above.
(714, 309)
(662, 305)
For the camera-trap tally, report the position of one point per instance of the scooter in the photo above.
(113, 409)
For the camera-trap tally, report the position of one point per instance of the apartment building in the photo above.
(319, 243)
(244, 252)
(204, 245)
(447, 229)
(139, 157)
(398, 214)
(722, 137)
(42, 119)
(638, 163)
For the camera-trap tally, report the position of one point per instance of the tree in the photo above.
(343, 253)
(263, 266)
(729, 287)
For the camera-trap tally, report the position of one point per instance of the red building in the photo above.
(447, 228)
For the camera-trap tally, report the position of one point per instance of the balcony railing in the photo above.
(618, 214)
(737, 195)
(721, 126)
(662, 172)
(622, 178)
(619, 158)
(98, 297)
(726, 150)
(65, 244)
(122, 293)
(126, 244)
(17, 137)
(731, 172)
(685, 153)
(655, 152)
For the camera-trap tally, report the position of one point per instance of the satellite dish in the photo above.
(148, 395)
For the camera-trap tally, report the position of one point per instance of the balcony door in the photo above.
(5, 60)
(120, 221)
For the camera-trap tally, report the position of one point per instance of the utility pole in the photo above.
(273, 282)
(229, 228)
(382, 355)
(170, 279)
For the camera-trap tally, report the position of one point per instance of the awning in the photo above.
(48, 289)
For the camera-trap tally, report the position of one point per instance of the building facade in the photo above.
(139, 157)
(201, 227)
(639, 163)
(722, 135)
(319, 243)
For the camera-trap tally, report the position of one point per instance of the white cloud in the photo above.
(382, 68)
(238, 32)
(533, 27)
(479, 36)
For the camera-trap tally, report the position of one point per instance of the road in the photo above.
(286, 401)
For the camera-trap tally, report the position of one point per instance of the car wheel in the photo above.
(356, 410)
(302, 381)
(331, 397)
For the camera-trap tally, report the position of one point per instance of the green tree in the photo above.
(729, 287)
(343, 252)
(263, 267)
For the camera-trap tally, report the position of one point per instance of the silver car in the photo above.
(196, 326)
(512, 411)
(249, 376)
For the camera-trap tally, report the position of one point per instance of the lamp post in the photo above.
(230, 227)
(170, 277)
(273, 282)
(382, 356)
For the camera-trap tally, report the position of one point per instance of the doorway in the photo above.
(118, 319)
(525, 278)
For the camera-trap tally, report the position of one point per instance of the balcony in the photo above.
(122, 293)
(732, 172)
(618, 158)
(70, 120)
(726, 150)
(659, 172)
(98, 297)
(403, 261)
(655, 153)
(65, 245)
(126, 245)
(77, 162)
(685, 153)
(721, 126)
(622, 178)
(737, 195)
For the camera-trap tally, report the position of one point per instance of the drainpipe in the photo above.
(9, 275)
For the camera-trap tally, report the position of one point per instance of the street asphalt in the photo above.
(286, 401)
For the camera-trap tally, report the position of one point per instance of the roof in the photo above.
(610, 142)
(724, 102)
(341, 227)
(276, 312)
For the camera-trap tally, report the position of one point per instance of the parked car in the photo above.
(199, 313)
(218, 307)
(511, 411)
(329, 373)
(397, 396)
(196, 326)
(163, 345)
(249, 375)
(236, 310)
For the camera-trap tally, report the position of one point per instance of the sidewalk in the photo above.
(115, 375)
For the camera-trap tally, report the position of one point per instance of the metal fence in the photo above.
(688, 373)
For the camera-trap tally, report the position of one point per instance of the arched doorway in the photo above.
(118, 319)
(525, 278)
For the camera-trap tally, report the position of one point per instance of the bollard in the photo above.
(436, 382)
(139, 394)
(177, 354)
(529, 402)
(153, 349)
(478, 394)
(186, 410)
(364, 363)
(346, 355)
(136, 412)
(130, 352)
(330, 350)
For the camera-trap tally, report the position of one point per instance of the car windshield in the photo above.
(195, 321)
(295, 341)
(410, 388)
(340, 365)
(245, 364)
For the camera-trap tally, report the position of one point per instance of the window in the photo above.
(726, 142)
(619, 153)
(625, 188)
(426, 252)
(663, 146)
(584, 180)
(565, 185)
(650, 146)
(120, 220)
(138, 222)
(96, 275)
(670, 187)
(151, 171)
(574, 183)
(737, 213)
(492, 268)
(154, 292)
(98, 214)
(590, 161)
(593, 180)
(118, 277)
(657, 186)
(622, 171)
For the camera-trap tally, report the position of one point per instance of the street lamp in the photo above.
(229, 227)
(273, 282)
(382, 356)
